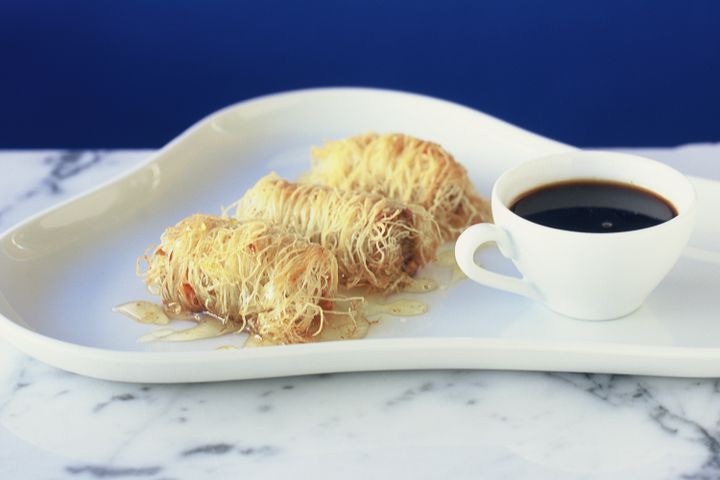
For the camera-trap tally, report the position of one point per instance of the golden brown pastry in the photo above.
(275, 282)
(406, 169)
(379, 243)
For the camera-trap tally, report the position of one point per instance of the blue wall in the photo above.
(136, 73)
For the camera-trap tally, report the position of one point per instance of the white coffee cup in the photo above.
(590, 276)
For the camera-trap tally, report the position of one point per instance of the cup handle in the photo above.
(472, 239)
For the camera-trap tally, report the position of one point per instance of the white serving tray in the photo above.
(63, 270)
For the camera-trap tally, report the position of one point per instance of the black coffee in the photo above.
(593, 206)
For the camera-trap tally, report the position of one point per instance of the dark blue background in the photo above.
(136, 73)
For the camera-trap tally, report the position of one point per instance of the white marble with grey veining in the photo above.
(421, 425)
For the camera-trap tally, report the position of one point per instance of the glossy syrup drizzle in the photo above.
(207, 327)
(149, 313)
(402, 307)
(421, 285)
(336, 327)
(446, 258)
(143, 311)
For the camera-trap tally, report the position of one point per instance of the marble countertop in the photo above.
(422, 424)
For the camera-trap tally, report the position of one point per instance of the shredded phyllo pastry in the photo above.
(369, 214)
(270, 280)
(406, 169)
(379, 243)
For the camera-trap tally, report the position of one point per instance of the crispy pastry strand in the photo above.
(379, 243)
(406, 169)
(274, 282)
